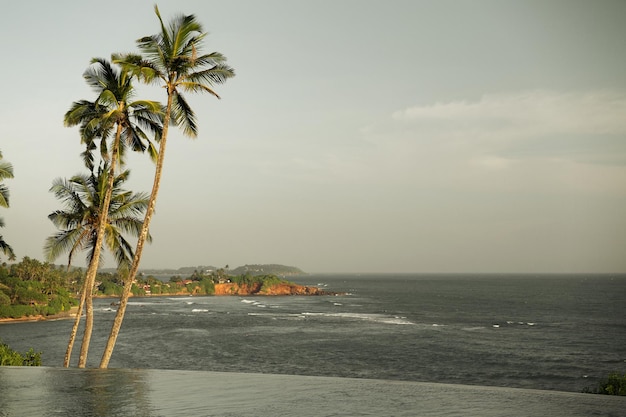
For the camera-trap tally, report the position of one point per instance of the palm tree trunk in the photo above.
(119, 316)
(70, 344)
(90, 279)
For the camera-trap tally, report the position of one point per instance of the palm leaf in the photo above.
(183, 115)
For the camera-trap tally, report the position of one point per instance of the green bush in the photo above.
(16, 311)
(9, 357)
(615, 384)
(207, 286)
(4, 299)
(110, 288)
(266, 281)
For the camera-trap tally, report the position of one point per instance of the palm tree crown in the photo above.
(171, 59)
(83, 197)
(113, 107)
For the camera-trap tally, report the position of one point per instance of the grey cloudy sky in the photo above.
(357, 136)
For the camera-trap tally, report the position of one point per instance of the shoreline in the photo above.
(222, 290)
(59, 316)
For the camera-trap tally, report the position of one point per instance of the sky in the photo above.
(357, 135)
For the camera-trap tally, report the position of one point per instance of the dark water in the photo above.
(540, 332)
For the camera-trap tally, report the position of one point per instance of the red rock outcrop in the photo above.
(278, 289)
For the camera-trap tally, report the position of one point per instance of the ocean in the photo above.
(464, 334)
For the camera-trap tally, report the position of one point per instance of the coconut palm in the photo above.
(170, 59)
(83, 197)
(130, 124)
(6, 171)
(78, 223)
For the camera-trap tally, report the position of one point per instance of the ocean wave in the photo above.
(472, 329)
(377, 318)
(274, 316)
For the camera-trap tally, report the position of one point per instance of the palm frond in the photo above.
(218, 74)
(6, 170)
(6, 249)
(183, 115)
(4, 196)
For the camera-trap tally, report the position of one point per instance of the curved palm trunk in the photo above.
(119, 316)
(90, 279)
(70, 345)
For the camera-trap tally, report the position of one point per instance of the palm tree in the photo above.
(130, 123)
(6, 171)
(79, 221)
(170, 58)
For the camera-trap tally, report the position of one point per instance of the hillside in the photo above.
(267, 269)
(252, 269)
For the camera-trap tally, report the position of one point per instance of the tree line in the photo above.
(34, 288)
(98, 214)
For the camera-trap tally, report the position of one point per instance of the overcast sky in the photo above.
(357, 136)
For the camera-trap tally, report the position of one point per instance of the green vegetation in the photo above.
(266, 281)
(32, 288)
(615, 384)
(10, 357)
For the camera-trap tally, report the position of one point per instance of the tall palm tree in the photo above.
(170, 59)
(83, 196)
(130, 123)
(6, 171)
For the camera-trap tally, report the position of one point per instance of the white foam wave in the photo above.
(199, 310)
(278, 316)
(471, 329)
(378, 318)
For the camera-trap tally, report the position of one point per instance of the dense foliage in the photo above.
(266, 281)
(10, 357)
(32, 288)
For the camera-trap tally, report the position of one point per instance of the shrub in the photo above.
(615, 384)
(16, 311)
(9, 357)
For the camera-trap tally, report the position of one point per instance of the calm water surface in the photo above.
(125, 392)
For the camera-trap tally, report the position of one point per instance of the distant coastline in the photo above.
(39, 317)
(221, 290)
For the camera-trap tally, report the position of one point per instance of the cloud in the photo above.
(528, 113)
(588, 127)
(509, 141)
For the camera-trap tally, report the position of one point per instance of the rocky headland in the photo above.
(285, 288)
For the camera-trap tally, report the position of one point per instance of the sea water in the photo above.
(548, 332)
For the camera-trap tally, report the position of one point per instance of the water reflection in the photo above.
(128, 392)
(69, 392)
